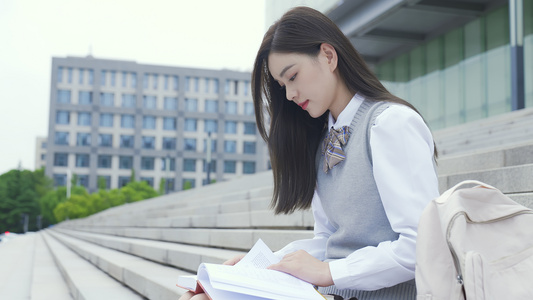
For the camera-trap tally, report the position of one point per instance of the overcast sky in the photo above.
(213, 34)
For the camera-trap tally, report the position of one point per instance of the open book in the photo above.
(249, 279)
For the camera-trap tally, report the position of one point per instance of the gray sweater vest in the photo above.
(352, 203)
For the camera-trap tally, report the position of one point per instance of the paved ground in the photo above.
(16, 260)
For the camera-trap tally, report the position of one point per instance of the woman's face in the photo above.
(308, 81)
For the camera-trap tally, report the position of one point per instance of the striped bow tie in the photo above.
(333, 152)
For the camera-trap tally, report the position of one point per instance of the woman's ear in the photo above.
(330, 54)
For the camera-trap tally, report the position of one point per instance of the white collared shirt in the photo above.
(402, 156)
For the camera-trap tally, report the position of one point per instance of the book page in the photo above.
(260, 256)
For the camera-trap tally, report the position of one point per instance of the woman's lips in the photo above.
(304, 104)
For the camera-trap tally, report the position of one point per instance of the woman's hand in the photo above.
(234, 260)
(304, 266)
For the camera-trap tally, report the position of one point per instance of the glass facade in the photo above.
(464, 74)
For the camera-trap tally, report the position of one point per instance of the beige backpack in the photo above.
(475, 243)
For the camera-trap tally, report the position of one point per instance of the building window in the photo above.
(106, 120)
(211, 106)
(134, 80)
(227, 87)
(148, 180)
(148, 142)
(230, 127)
(169, 184)
(60, 179)
(247, 88)
(113, 78)
(235, 87)
(104, 162)
(213, 146)
(91, 76)
(146, 78)
(149, 102)
(43, 145)
(192, 84)
(191, 105)
(83, 139)
(230, 166)
(175, 82)
(213, 167)
(211, 126)
(169, 123)
(61, 138)
(215, 85)
(155, 80)
(63, 96)
(248, 167)
(231, 107)
(107, 99)
(249, 147)
(60, 74)
(249, 128)
(103, 75)
(82, 160)
(124, 79)
(189, 144)
(61, 159)
(127, 121)
(62, 117)
(69, 75)
(249, 109)
(80, 76)
(84, 119)
(148, 122)
(165, 82)
(207, 81)
(169, 143)
(230, 146)
(105, 140)
(85, 98)
(172, 165)
(126, 141)
(189, 165)
(128, 100)
(147, 163)
(123, 181)
(188, 183)
(190, 125)
(171, 103)
(125, 162)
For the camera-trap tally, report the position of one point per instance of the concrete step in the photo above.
(509, 180)
(84, 280)
(526, 199)
(47, 282)
(510, 128)
(149, 279)
(16, 266)
(486, 159)
(186, 257)
(238, 239)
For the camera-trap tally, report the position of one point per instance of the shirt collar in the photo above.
(346, 116)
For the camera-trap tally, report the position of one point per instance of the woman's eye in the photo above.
(293, 77)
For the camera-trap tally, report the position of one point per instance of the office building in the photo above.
(40, 152)
(109, 117)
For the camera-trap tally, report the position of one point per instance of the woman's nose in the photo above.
(291, 94)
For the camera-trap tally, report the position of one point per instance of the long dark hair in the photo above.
(293, 135)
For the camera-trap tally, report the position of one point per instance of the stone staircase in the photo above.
(138, 250)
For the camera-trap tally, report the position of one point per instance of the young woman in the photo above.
(340, 143)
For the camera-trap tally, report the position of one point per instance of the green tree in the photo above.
(132, 176)
(102, 184)
(20, 192)
(187, 185)
(77, 206)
